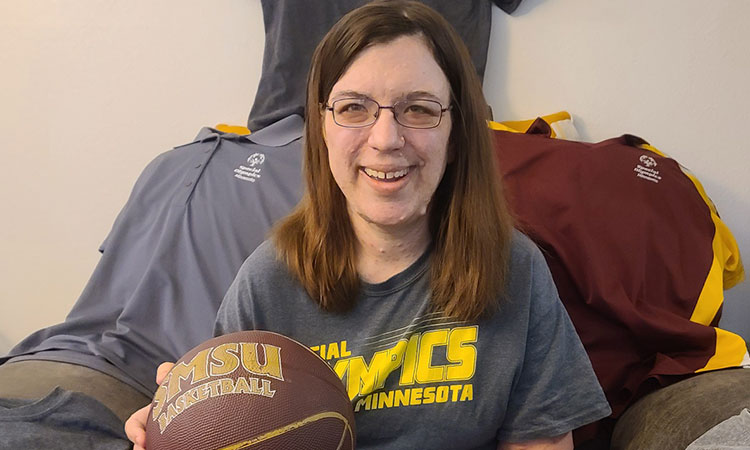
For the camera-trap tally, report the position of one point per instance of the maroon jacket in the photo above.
(630, 242)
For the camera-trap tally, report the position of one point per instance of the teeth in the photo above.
(386, 175)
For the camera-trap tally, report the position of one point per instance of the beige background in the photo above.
(92, 90)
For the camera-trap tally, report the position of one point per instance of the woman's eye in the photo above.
(416, 109)
(351, 108)
(419, 109)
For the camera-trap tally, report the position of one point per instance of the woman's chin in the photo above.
(383, 219)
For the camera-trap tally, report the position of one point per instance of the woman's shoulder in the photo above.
(265, 276)
(523, 249)
(528, 271)
(264, 260)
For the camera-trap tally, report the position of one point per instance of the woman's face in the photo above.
(387, 172)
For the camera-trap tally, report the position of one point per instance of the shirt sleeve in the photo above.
(557, 390)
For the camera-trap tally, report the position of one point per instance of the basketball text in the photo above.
(217, 361)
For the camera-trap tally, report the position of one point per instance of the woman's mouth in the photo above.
(385, 176)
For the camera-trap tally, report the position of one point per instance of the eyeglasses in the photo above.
(363, 112)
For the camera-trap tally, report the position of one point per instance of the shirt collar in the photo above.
(278, 134)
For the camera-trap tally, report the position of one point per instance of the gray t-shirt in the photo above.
(55, 422)
(420, 380)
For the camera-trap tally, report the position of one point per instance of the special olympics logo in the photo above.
(648, 161)
(258, 158)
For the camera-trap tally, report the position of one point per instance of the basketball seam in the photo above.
(286, 428)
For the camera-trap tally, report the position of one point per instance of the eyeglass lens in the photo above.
(360, 112)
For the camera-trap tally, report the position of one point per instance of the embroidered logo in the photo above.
(251, 171)
(648, 161)
(645, 169)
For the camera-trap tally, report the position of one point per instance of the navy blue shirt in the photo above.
(194, 215)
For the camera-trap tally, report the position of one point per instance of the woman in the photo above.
(401, 267)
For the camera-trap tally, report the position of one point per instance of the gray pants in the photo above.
(34, 379)
(45, 404)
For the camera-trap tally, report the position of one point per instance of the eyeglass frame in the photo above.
(328, 107)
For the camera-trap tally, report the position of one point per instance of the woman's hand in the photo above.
(135, 426)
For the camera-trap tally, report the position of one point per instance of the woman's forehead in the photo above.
(406, 95)
(402, 68)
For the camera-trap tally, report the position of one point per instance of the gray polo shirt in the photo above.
(194, 215)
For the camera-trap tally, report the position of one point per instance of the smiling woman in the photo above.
(388, 172)
(398, 53)
(403, 255)
(403, 249)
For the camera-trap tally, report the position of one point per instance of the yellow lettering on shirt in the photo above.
(426, 372)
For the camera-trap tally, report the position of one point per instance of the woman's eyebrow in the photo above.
(421, 95)
(349, 94)
(413, 95)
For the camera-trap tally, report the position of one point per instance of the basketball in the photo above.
(252, 390)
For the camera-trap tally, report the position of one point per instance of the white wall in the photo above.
(92, 90)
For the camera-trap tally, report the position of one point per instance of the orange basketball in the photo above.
(251, 390)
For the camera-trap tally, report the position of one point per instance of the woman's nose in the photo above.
(386, 134)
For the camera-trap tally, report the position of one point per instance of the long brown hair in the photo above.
(469, 221)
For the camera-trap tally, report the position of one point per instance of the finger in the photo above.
(162, 371)
(135, 428)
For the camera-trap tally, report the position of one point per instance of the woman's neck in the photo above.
(383, 252)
